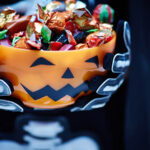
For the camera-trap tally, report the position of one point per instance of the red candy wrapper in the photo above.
(104, 13)
(67, 47)
(55, 45)
(69, 26)
(70, 37)
(95, 41)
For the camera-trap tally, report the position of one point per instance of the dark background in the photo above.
(124, 124)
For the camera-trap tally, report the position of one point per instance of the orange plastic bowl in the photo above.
(52, 79)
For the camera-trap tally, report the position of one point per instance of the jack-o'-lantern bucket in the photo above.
(52, 79)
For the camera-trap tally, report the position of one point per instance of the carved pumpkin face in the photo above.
(52, 79)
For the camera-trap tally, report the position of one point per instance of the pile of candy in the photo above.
(57, 26)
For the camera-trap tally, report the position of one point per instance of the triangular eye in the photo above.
(93, 60)
(41, 61)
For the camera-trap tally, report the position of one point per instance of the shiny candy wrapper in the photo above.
(104, 26)
(34, 44)
(22, 43)
(19, 34)
(42, 16)
(95, 41)
(55, 6)
(67, 47)
(46, 34)
(82, 19)
(34, 29)
(15, 39)
(56, 22)
(55, 46)
(6, 15)
(104, 13)
(80, 36)
(69, 26)
(17, 25)
(62, 38)
(2, 34)
(70, 37)
(70, 4)
(51, 6)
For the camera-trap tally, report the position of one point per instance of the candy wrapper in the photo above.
(104, 13)
(46, 34)
(56, 22)
(6, 15)
(17, 25)
(22, 43)
(82, 19)
(55, 6)
(2, 34)
(70, 4)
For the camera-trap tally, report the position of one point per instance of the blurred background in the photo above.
(124, 124)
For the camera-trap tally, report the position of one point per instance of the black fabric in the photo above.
(137, 116)
(107, 62)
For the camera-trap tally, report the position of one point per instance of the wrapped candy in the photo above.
(69, 26)
(34, 44)
(105, 26)
(67, 47)
(2, 34)
(55, 6)
(54, 28)
(56, 22)
(22, 43)
(92, 30)
(6, 15)
(46, 34)
(95, 41)
(55, 46)
(15, 39)
(70, 4)
(19, 34)
(80, 36)
(17, 25)
(62, 38)
(82, 19)
(70, 37)
(104, 13)
(51, 6)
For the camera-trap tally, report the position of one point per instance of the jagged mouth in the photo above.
(57, 94)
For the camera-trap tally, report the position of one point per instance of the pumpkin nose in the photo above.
(68, 74)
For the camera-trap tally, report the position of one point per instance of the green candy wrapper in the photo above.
(46, 34)
(92, 30)
(2, 34)
(15, 39)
